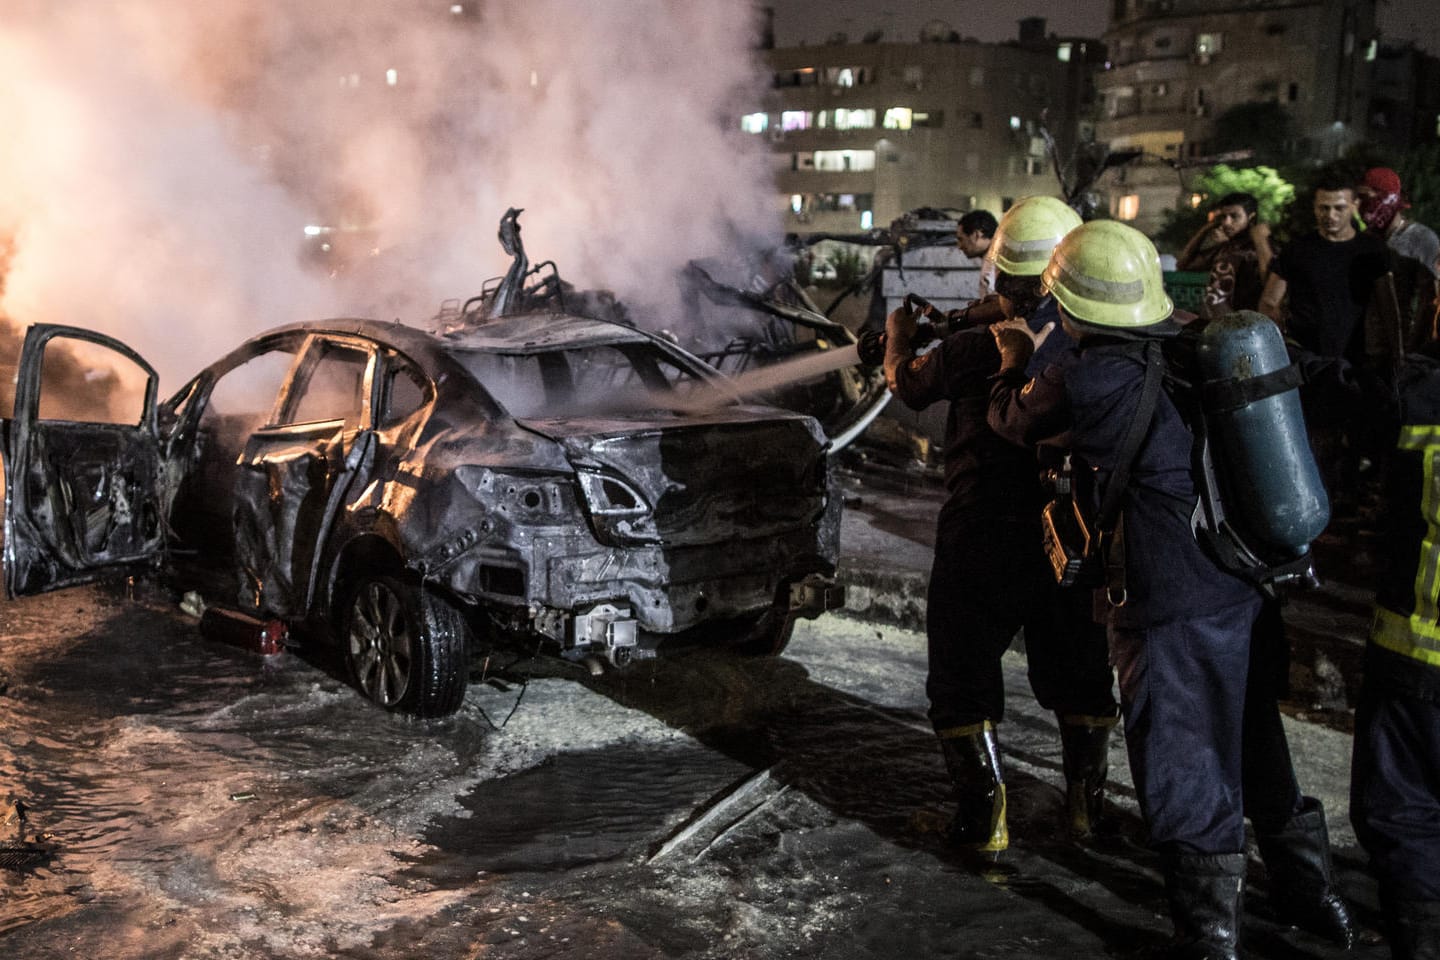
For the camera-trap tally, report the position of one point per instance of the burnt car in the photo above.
(402, 493)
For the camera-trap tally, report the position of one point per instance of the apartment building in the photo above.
(1176, 65)
(862, 132)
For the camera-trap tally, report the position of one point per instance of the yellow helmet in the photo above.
(1028, 232)
(1108, 274)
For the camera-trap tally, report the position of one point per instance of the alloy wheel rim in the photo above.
(381, 647)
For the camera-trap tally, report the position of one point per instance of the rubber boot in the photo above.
(1414, 929)
(972, 757)
(1085, 751)
(1297, 858)
(1206, 894)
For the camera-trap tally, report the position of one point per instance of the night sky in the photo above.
(811, 21)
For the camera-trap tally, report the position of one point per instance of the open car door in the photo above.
(83, 469)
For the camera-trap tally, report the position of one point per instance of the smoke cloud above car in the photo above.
(162, 161)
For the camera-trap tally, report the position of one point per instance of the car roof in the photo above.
(520, 333)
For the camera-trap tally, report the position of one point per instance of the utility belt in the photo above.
(1089, 555)
(1080, 557)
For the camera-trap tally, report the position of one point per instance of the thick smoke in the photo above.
(160, 159)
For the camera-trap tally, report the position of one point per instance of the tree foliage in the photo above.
(850, 263)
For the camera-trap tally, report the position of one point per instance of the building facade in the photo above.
(1175, 66)
(1404, 97)
(862, 132)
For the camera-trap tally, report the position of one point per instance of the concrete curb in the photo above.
(888, 595)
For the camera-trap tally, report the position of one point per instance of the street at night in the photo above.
(730, 481)
(207, 801)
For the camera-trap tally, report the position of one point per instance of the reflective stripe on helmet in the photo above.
(1028, 251)
(1102, 291)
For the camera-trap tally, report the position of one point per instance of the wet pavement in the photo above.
(210, 802)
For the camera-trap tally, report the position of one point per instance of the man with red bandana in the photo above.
(1414, 248)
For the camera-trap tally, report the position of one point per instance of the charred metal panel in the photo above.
(711, 484)
(677, 588)
(287, 492)
(90, 499)
(81, 497)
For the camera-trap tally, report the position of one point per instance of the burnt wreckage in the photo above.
(399, 492)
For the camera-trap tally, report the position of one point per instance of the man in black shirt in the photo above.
(1329, 277)
(990, 576)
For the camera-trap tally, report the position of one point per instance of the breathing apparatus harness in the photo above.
(1260, 501)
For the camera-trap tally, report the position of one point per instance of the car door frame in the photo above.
(34, 562)
(269, 455)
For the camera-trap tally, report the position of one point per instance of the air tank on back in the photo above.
(1273, 492)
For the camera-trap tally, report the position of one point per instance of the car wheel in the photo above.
(766, 634)
(406, 647)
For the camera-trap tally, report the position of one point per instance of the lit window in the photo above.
(898, 118)
(854, 119)
(867, 219)
(755, 122)
(1062, 53)
(392, 76)
(1128, 207)
(1208, 44)
(457, 8)
(795, 120)
(797, 202)
(843, 160)
(1371, 50)
(1014, 123)
(1195, 200)
(845, 78)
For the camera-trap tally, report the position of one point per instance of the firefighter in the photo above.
(989, 577)
(1395, 772)
(1206, 750)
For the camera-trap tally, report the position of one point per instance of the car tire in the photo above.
(765, 634)
(406, 646)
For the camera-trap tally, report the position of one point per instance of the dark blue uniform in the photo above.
(990, 577)
(1181, 642)
(1395, 788)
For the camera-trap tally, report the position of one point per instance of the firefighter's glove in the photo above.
(900, 326)
(1017, 342)
(899, 331)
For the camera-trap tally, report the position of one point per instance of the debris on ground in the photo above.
(22, 853)
(193, 604)
(721, 816)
